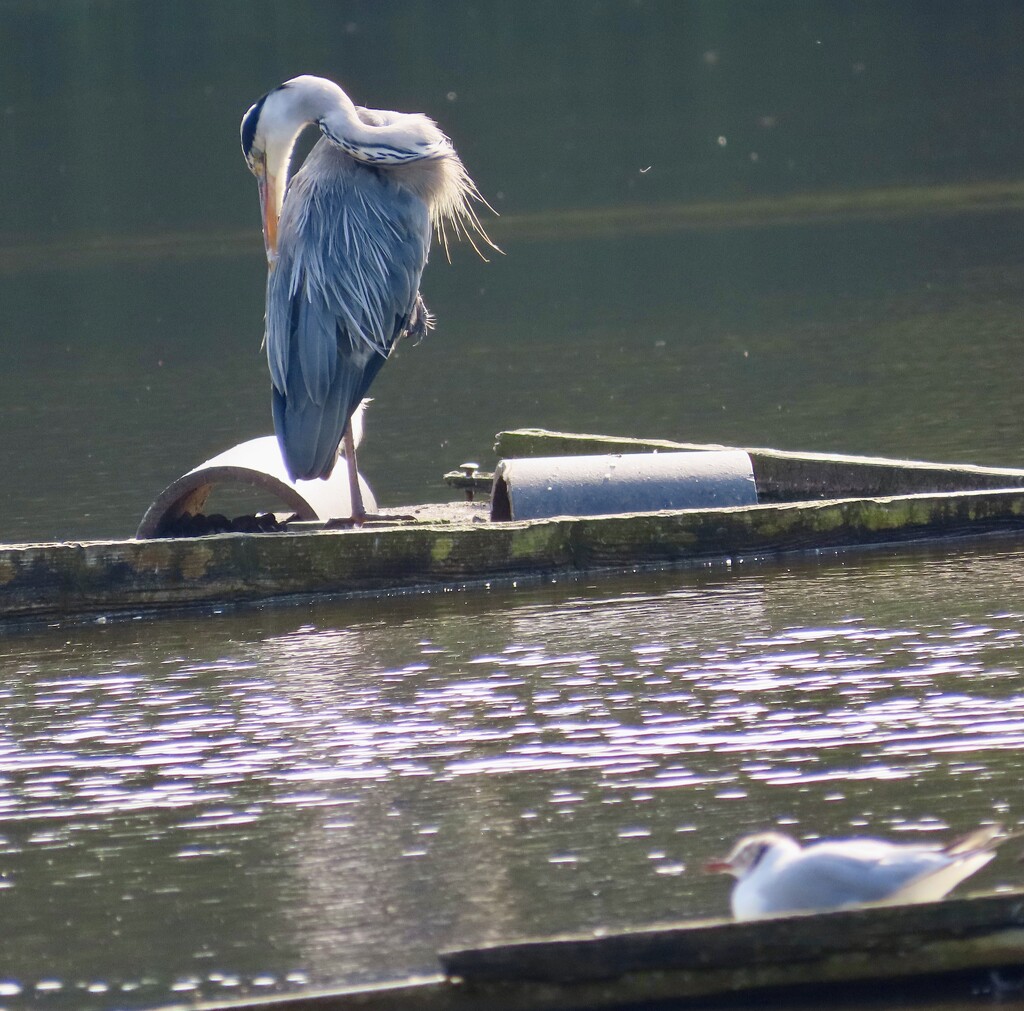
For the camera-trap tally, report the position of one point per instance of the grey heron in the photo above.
(347, 237)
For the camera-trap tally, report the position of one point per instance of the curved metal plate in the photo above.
(254, 464)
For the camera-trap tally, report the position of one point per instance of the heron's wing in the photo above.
(351, 250)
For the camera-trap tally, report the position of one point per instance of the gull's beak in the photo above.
(718, 866)
(269, 205)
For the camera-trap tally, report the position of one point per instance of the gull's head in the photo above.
(750, 852)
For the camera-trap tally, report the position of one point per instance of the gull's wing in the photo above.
(830, 875)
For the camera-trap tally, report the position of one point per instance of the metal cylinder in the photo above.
(536, 488)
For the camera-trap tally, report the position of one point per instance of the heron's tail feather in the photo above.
(309, 432)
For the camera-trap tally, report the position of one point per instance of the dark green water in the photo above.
(310, 795)
(131, 278)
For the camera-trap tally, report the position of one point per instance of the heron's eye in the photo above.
(249, 123)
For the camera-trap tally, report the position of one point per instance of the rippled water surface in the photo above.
(301, 797)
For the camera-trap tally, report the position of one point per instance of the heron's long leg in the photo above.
(355, 495)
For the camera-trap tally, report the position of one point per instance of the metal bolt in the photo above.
(469, 469)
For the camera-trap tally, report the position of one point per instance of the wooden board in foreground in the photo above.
(692, 962)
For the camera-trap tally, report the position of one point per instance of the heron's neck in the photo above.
(381, 139)
(410, 144)
(376, 138)
(299, 103)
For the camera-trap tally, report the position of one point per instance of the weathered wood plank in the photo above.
(691, 962)
(101, 575)
(781, 475)
(452, 543)
(880, 932)
(44, 580)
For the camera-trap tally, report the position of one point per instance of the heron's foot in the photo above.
(421, 321)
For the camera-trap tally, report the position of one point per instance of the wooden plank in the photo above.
(420, 993)
(691, 962)
(541, 442)
(782, 475)
(879, 932)
(47, 580)
(453, 543)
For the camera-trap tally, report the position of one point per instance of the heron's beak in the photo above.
(269, 209)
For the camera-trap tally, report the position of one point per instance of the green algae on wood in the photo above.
(48, 580)
(807, 501)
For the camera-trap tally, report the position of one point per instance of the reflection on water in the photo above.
(305, 797)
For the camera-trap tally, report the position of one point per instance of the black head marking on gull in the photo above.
(761, 849)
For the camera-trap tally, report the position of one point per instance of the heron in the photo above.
(347, 237)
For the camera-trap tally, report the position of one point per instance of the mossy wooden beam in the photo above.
(714, 945)
(99, 576)
(69, 579)
(540, 442)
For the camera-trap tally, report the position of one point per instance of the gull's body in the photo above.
(347, 238)
(775, 874)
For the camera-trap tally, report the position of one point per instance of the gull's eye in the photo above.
(756, 854)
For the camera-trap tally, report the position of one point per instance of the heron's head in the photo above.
(268, 135)
(409, 144)
(269, 131)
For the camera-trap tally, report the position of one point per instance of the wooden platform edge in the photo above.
(712, 945)
(106, 577)
(692, 962)
(780, 472)
(1000, 950)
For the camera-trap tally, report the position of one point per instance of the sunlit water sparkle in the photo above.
(304, 797)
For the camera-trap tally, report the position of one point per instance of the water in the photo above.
(309, 796)
(303, 796)
(131, 268)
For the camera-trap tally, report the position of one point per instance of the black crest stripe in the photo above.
(252, 118)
